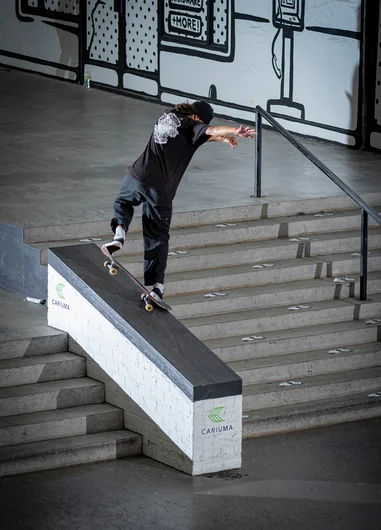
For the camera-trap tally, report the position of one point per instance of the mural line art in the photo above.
(236, 54)
(288, 17)
(64, 16)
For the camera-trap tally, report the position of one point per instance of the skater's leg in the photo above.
(130, 195)
(156, 219)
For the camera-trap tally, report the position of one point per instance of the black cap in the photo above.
(204, 110)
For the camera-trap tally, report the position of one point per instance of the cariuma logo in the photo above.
(59, 288)
(215, 415)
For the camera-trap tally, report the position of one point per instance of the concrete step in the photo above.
(52, 395)
(207, 257)
(34, 345)
(260, 208)
(271, 394)
(254, 230)
(308, 363)
(40, 368)
(73, 450)
(259, 321)
(272, 272)
(294, 340)
(262, 296)
(318, 413)
(74, 421)
(233, 233)
(242, 275)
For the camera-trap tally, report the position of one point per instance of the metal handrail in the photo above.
(366, 209)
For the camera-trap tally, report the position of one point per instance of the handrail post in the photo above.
(364, 255)
(258, 156)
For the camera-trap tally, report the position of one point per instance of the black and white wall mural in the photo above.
(299, 59)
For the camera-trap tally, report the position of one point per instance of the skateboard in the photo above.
(113, 266)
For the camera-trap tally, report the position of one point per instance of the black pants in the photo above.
(156, 220)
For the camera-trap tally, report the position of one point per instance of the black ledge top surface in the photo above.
(193, 367)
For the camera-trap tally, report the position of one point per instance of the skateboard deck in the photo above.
(113, 266)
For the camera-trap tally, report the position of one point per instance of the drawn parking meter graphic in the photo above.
(288, 17)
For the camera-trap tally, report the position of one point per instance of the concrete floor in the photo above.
(317, 480)
(65, 150)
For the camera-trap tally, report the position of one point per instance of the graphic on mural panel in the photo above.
(102, 31)
(142, 35)
(288, 17)
(63, 6)
(220, 22)
(186, 18)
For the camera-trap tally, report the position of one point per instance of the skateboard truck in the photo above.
(113, 268)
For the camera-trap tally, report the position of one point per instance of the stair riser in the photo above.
(224, 304)
(264, 348)
(292, 371)
(304, 393)
(61, 428)
(12, 349)
(294, 319)
(52, 400)
(306, 271)
(39, 373)
(321, 418)
(73, 456)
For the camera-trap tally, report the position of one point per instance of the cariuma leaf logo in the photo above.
(59, 289)
(214, 415)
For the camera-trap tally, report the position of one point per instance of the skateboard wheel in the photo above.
(142, 296)
(113, 271)
(149, 308)
(106, 264)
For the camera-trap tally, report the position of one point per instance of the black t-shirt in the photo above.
(175, 139)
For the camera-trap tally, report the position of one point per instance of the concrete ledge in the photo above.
(182, 386)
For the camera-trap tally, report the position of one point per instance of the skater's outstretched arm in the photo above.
(224, 130)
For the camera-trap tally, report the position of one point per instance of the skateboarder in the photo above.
(154, 177)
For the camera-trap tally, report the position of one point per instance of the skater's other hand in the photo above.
(231, 140)
(245, 132)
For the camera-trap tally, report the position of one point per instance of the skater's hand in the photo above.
(231, 140)
(245, 132)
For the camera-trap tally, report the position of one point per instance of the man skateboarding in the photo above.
(154, 177)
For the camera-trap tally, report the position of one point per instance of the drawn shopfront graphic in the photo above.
(288, 17)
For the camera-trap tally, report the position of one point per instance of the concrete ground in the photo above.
(313, 480)
(64, 151)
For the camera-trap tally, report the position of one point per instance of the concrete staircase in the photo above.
(52, 415)
(273, 290)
